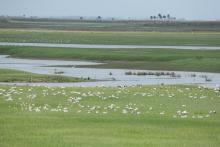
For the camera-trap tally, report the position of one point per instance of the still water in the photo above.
(116, 78)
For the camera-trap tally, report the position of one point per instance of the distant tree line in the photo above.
(159, 17)
(162, 17)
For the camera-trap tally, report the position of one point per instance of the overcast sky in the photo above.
(189, 9)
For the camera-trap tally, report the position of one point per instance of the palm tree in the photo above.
(99, 18)
(160, 16)
(164, 17)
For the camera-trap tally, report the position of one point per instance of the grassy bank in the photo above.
(157, 59)
(129, 38)
(167, 116)
(8, 75)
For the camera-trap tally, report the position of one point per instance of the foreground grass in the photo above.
(8, 75)
(167, 116)
(129, 38)
(156, 59)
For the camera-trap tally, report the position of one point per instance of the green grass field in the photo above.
(8, 75)
(166, 116)
(120, 38)
(157, 59)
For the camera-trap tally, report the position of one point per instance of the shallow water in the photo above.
(120, 79)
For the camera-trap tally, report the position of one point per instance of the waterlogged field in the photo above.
(123, 116)
(166, 116)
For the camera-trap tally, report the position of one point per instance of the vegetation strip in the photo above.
(111, 38)
(111, 25)
(8, 75)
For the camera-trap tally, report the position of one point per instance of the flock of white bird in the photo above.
(102, 101)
